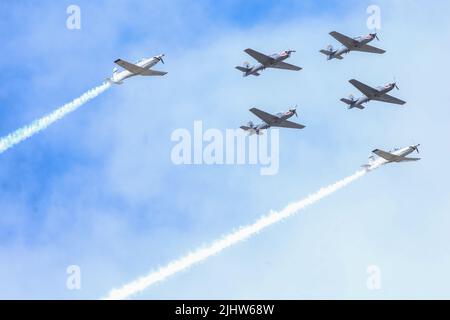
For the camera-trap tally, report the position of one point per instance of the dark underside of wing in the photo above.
(285, 66)
(389, 99)
(288, 124)
(365, 89)
(264, 116)
(258, 56)
(367, 48)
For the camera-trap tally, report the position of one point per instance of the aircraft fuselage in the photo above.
(359, 42)
(281, 117)
(403, 152)
(381, 91)
(277, 57)
(147, 63)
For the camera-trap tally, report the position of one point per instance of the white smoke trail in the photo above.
(40, 124)
(229, 240)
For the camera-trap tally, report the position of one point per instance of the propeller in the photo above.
(294, 110)
(351, 97)
(395, 84)
(250, 124)
(416, 147)
(160, 58)
(246, 64)
(375, 35)
(330, 48)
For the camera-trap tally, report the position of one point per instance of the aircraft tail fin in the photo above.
(250, 130)
(351, 103)
(347, 101)
(243, 69)
(111, 81)
(328, 53)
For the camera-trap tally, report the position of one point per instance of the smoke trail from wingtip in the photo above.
(40, 124)
(231, 239)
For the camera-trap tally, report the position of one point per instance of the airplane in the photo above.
(369, 93)
(141, 67)
(272, 61)
(351, 44)
(397, 155)
(270, 120)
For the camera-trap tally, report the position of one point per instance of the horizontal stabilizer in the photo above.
(347, 101)
(331, 54)
(352, 104)
(325, 52)
(242, 69)
(111, 81)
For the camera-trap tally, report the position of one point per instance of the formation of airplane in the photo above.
(397, 155)
(272, 120)
(272, 61)
(351, 44)
(369, 93)
(141, 67)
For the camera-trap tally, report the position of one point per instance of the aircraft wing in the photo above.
(392, 157)
(129, 66)
(149, 72)
(389, 99)
(288, 124)
(365, 89)
(286, 66)
(264, 116)
(367, 48)
(260, 57)
(346, 41)
(138, 70)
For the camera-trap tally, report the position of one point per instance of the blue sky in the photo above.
(98, 188)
